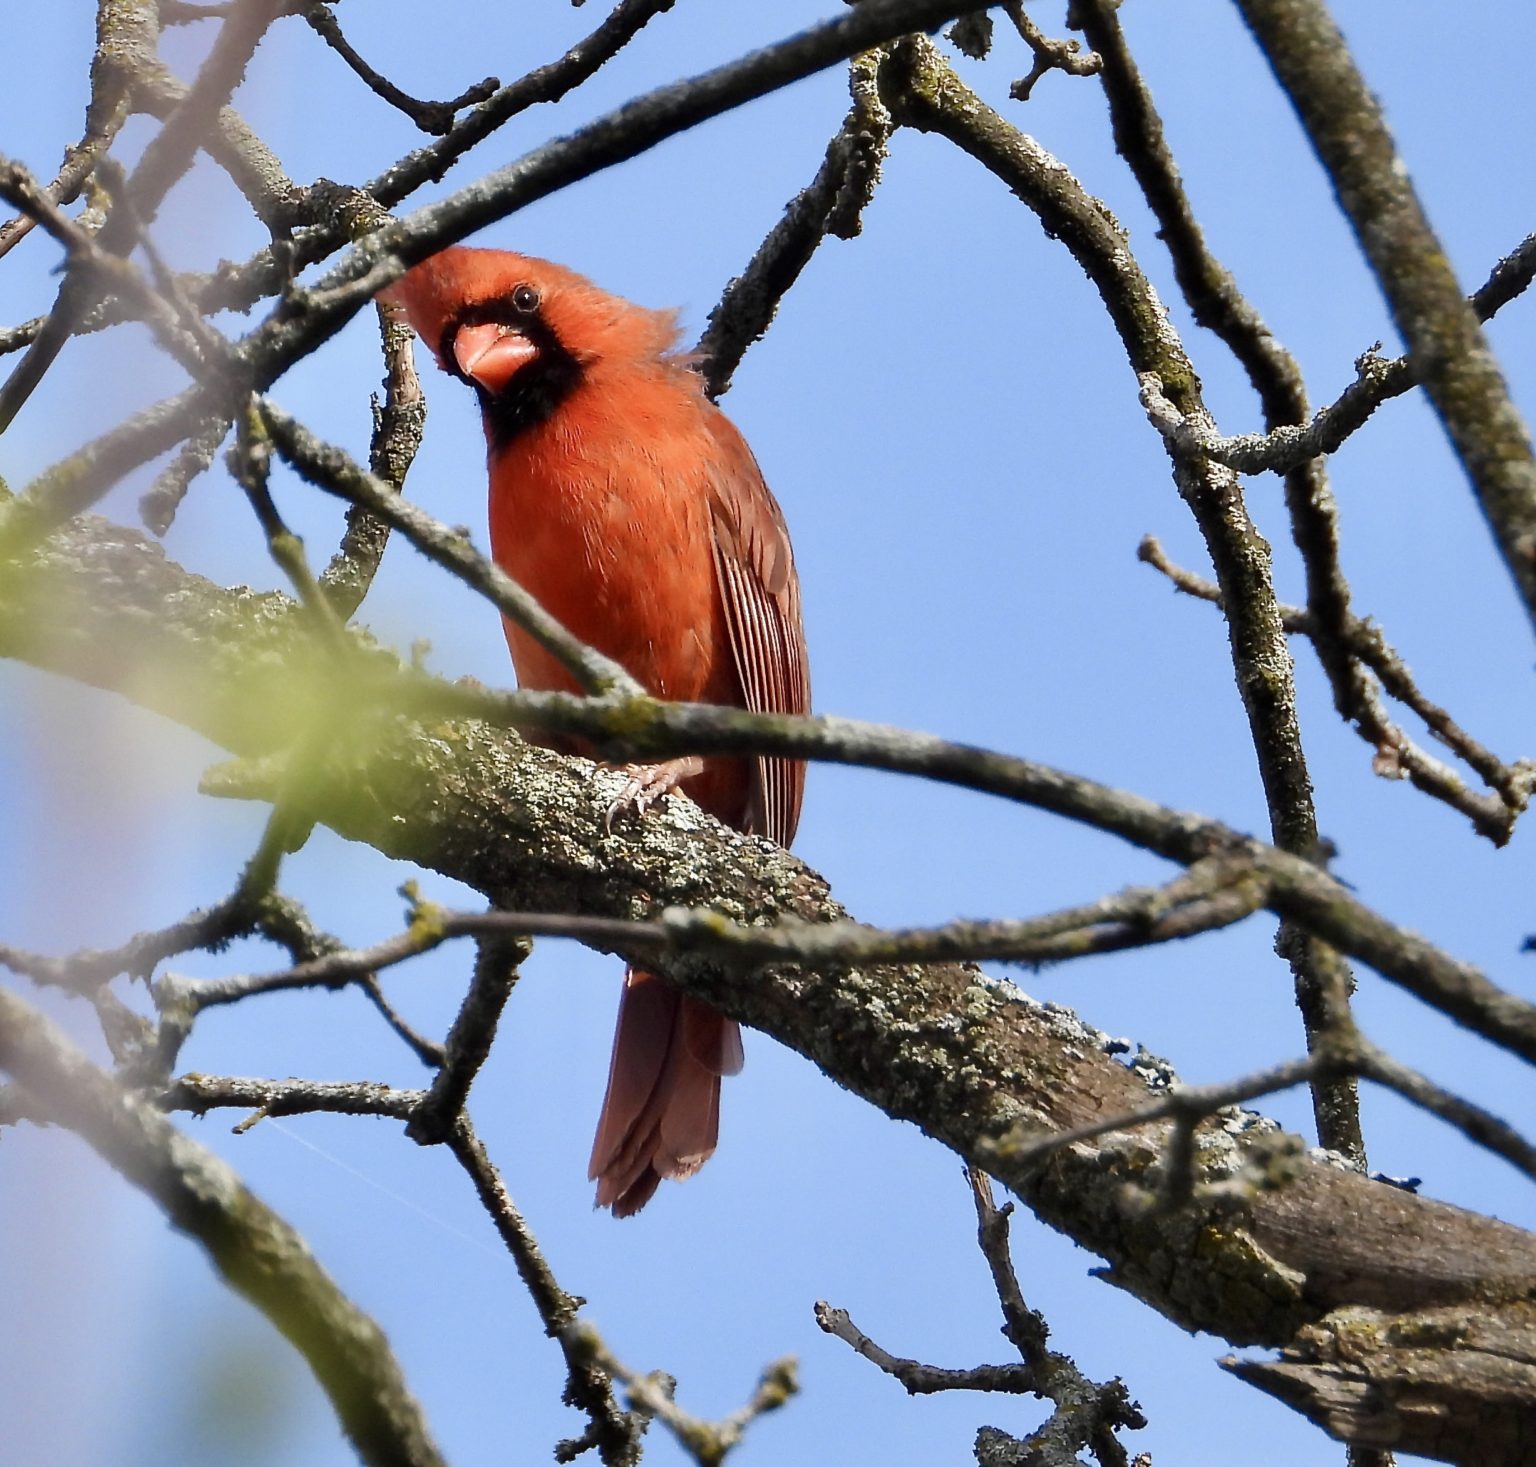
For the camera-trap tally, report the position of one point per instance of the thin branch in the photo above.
(249, 462)
(545, 84)
(79, 164)
(923, 91)
(1312, 62)
(14, 338)
(159, 503)
(1322, 981)
(1377, 380)
(1087, 1413)
(1397, 756)
(433, 117)
(428, 1051)
(616, 1434)
(831, 203)
(1481, 1127)
(497, 961)
(253, 168)
(1188, 1105)
(331, 469)
(708, 1443)
(190, 348)
(915, 1377)
(125, 50)
(194, 118)
(252, 907)
(1049, 55)
(165, 159)
(397, 431)
(1212, 895)
(200, 1094)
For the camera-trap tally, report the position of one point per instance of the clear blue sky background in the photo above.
(949, 422)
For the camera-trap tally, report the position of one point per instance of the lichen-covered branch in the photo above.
(968, 1059)
(246, 672)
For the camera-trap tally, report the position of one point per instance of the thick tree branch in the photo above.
(521, 825)
(245, 671)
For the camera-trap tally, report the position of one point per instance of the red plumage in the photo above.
(631, 507)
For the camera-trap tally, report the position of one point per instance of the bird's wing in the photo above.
(761, 593)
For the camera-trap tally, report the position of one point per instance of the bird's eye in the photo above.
(525, 300)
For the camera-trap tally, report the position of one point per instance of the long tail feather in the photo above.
(661, 1113)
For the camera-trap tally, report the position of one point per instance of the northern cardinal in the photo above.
(632, 508)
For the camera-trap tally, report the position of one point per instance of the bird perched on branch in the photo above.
(633, 510)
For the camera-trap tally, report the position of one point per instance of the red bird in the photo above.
(631, 507)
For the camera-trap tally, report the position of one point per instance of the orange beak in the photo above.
(491, 354)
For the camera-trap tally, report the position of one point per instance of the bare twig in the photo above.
(1087, 1413)
(1050, 55)
(194, 349)
(249, 462)
(79, 163)
(497, 960)
(923, 91)
(165, 159)
(1188, 1105)
(428, 1051)
(1397, 755)
(1213, 895)
(915, 1377)
(433, 117)
(125, 53)
(231, 143)
(159, 503)
(331, 469)
(200, 1094)
(252, 907)
(615, 1433)
(707, 1442)
(830, 204)
(1322, 980)
(397, 431)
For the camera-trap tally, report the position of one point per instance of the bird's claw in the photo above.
(647, 784)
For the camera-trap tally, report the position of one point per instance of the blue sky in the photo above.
(945, 415)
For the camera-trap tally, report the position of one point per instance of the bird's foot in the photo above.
(647, 784)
